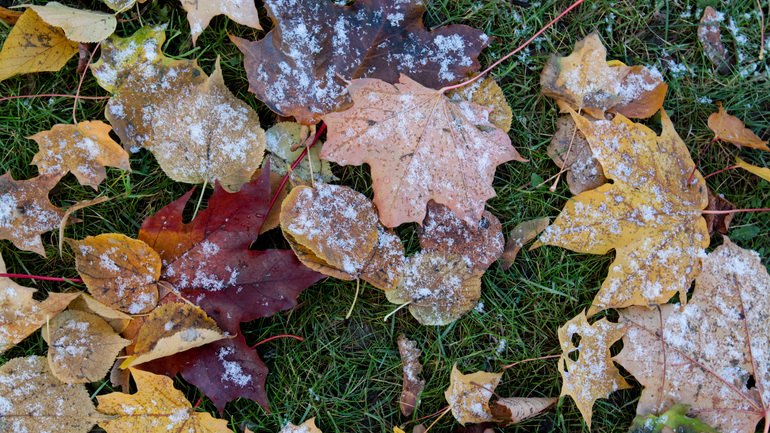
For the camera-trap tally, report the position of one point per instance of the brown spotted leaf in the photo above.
(710, 37)
(524, 232)
(413, 385)
(583, 170)
(729, 128)
(468, 395)
(200, 13)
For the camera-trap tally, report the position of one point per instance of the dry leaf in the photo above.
(649, 214)
(34, 46)
(718, 222)
(486, 93)
(121, 5)
(762, 172)
(524, 232)
(413, 385)
(32, 399)
(586, 81)
(711, 38)
(117, 319)
(420, 147)
(68, 213)
(81, 346)
(516, 409)
(593, 375)
(439, 287)
(306, 427)
(8, 16)
(730, 128)
(583, 170)
(157, 407)
(200, 13)
(78, 25)
(712, 354)
(26, 212)
(119, 271)
(480, 243)
(386, 264)
(468, 395)
(84, 149)
(284, 136)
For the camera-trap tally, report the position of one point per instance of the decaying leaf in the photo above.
(468, 395)
(299, 68)
(718, 222)
(78, 25)
(119, 271)
(710, 37)
(81, 346)
(284, 136)
(524, 232)
(8, 16)
(439, 287)
(583, 170)
(170, 329)
(480, 243)
(26, 212)
(673, 420)
(413, 385)
(420, 147)
(729, 128)
(20, 315)
(650, 215)
(712, 354)
(593, 375)
(487, 93)
(34, 46)
(762, 172)
(84, 149)
(200, 13)
(157, 407)
(32, 399)
(306, 427)
(586, 81)
(516, 409)
(386, 264)
(117, 319)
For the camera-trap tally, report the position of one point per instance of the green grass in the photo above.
(347, 373)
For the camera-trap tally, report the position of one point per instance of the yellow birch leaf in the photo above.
(468, 395)
(78, 25)
(762, 172)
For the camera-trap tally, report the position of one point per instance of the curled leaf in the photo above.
(729, 128)
(413, 385)
(583, 170)
(524, 232)
(516, 409)
(762, 172)
(468, 395)
(78, 25)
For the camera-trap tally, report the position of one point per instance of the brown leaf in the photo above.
(386, 264)
(283, 144)
(26, 212)
(8, 16)
(441, 155)
(524, 232)
(413, 385)
(200, 13)
(81, 346)
(718, 222)
(468, 395)
(442, 231)
(712, 354)
(486, 93)
(517, 409)
(592, 375)
(32, 399)
(583, 170)
(730, 128)
(306, 427)
(84, 149)
(711, 38)
(85, 302)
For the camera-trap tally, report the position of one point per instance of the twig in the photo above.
(278, 336)
(82, 76)
(38, 277)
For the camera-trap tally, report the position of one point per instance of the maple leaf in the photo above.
(34, 46)
(583, 170)
(468, 395)
(650, 215)
(157, 407)
(26, 212)
(711, 354)
(729, 128)
(592, 375)
(299, 68)
(711, 39)
(486, 93)
(85, 149)
(78, 25)
(412, 384)
(200, 13)
(420, 147)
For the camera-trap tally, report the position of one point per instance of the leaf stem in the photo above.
(278, 336)
(530, 359)
(695, 167)
(717, 172)
(80, 84)
(722, 212)
(761, 56)
(521, 47)
(443, 409)
(38, 277)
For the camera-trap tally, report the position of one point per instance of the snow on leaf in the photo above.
(306, 427)
(486, 93)
(524, 232)
(710, 37)
(420, 147)
(583, 170)
(200, 13)
(712, 354)
(516, 409)
(299, 68)
(649, 215)
(117, 319)
(284, 136)
(78, 25)
(412, 384)
(729, 128)
(468, 395)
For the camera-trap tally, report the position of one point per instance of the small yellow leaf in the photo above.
(762, 172)
(487, 93)
(729, 128)
(306, 427)
(117, 319)
(468, 395)
(78, 25)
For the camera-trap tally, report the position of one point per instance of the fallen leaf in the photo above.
(592, 375)
(34, 46)
(299, 68)
(762, 172)
(78, 25)
(524, 232)
(84, 149)
(117, 319)
(516, 409)
(273, 218)
(649, 214)
(730, 128)
(442, 155)
(20, 314)
(306, 427)
(486, 93)
(413, 385)
(121, 5)
(712, 354)
(480, 243)
(32, 399)
(439, 287)
(468, 395)
(711, 38)
(583, 170)
(586, 81)
(673, 419)
(118, 271)
(718, 222)
(284, 136)
(386, 264)
(26, 212)
(157, 407)
(200, 13)
(8, 16)
(81, 346)
(68, 214)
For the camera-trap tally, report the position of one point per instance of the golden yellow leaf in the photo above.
(468, 395)
(119, 271)
(593, 375)
(650, 215)
(729, 128)
(81, 346)
(762, 172)
(117, 319)
(157, 407)
(84, 149)
(78, 25)
(306, 427)
(487, 93)
(34, 46)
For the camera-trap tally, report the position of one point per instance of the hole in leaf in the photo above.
(751, 383)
